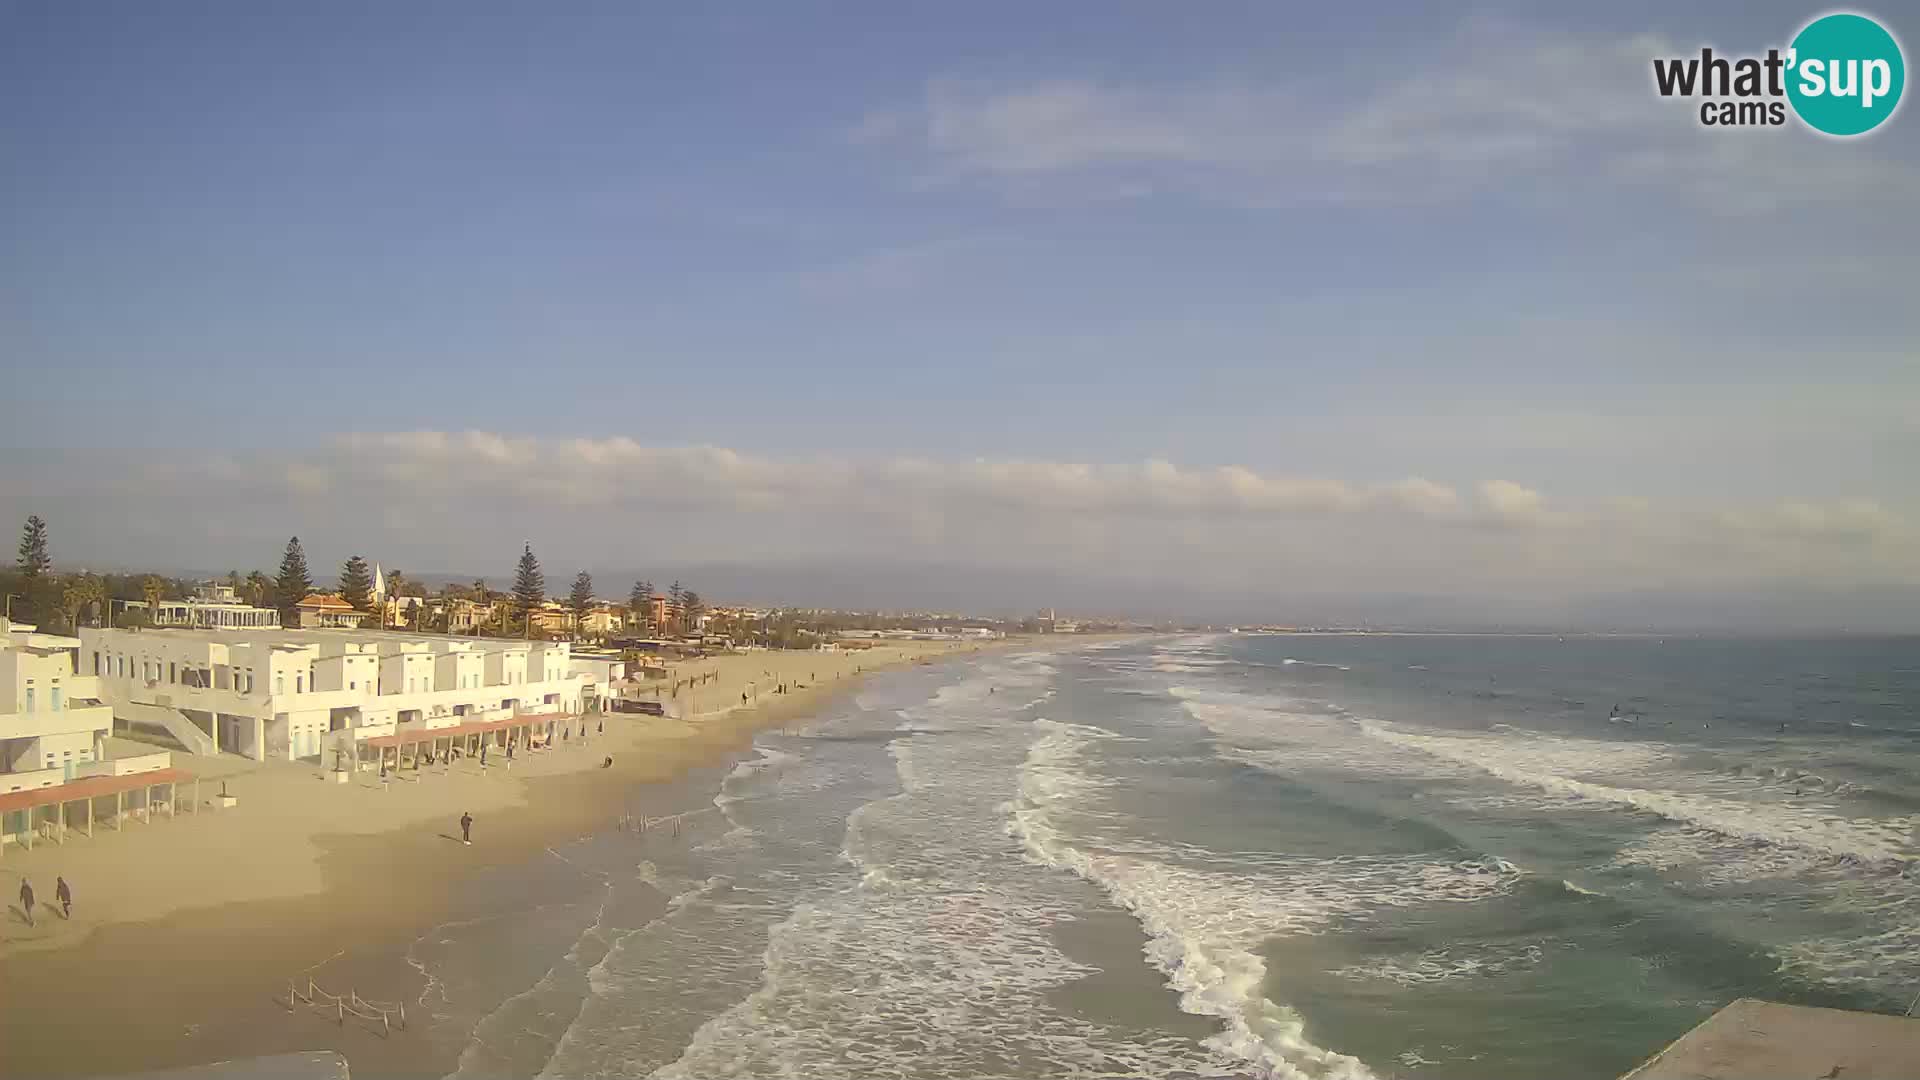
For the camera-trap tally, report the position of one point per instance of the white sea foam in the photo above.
(1446, 964)
(1205, 926)
(936, 959)
(1282, 735)
(1553, 765)
(1291, 662)
(1884, 952)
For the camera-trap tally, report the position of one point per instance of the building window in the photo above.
(173, 673)
(55, 696)
(29, 707)
(299, 684)
(279, 684)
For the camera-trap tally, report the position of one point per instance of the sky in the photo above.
(1404, 310)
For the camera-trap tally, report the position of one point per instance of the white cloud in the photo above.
(616, 501)
(1494, 107)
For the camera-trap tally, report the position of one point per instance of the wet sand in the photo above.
(208, 981)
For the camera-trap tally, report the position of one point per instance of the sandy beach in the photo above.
(188, 930)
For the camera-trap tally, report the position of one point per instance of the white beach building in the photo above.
(54, 763)
(52, 722)
(305, 694)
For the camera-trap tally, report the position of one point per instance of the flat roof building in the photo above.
(53, 735)
(212, 607)
(305, 694)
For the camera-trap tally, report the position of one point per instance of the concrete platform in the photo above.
(1759, 1040)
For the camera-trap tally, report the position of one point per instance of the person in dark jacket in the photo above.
(466, 828)
(63, 893)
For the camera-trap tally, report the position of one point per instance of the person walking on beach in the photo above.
(63, 893)
(466, 828)
(26, 899)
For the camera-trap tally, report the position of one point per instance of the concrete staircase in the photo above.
(171, 721)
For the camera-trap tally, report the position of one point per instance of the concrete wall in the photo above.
(462, 670)
(410, 672)
(507, 666)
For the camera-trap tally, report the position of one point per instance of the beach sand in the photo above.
(186, 932)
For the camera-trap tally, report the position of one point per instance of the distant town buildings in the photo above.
(323, 610)
(602, 622)
(212, 607)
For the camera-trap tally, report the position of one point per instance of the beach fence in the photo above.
(668, 822)
(385, 1014)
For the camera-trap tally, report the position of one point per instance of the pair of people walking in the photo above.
(62, 892)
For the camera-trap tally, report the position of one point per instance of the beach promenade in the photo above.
(1763, 1040)
(184, 930)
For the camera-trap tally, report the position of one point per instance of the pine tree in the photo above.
(581, 601)
(690, 615)
(676, 604)
(356, 583)
(640, 602)
(34, 560)
(529, 587)
(294, 584)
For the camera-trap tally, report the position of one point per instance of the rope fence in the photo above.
(629, 823)
(382, 1013)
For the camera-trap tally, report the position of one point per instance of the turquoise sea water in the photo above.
(1238, 856)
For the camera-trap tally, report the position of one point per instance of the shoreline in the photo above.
(208, 981)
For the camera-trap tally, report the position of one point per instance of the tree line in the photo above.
(35, 593)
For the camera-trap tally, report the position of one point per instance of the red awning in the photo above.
(91, 787)
(477, 727)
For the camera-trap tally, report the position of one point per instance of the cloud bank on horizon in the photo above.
(458, 502)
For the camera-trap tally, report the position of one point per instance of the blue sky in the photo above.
(1347, 246)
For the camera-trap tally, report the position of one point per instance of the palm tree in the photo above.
(259, 587)
(82, 593)
(394, 580)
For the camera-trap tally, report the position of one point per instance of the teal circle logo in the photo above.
(1845, 74)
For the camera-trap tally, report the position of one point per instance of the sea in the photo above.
(1232, 855)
